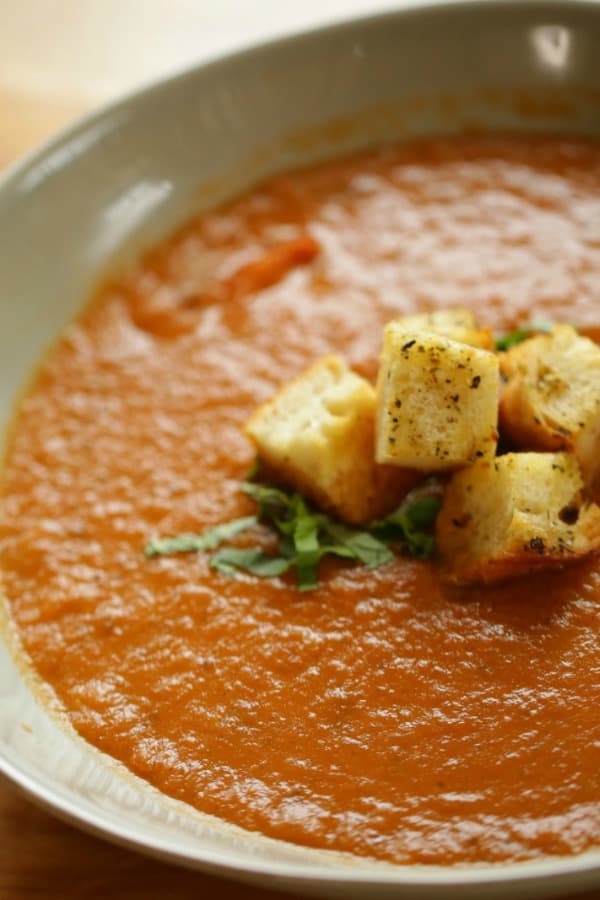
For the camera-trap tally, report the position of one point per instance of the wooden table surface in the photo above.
(59, 58)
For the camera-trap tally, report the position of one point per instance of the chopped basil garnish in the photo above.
(523, 334)
(230, 560)
(194, 543)
(306, 536)
(254, 470)
(360, 545)
(412, 523)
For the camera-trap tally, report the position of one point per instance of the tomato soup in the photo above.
(383, 714)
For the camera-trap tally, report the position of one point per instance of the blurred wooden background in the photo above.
(59, 58)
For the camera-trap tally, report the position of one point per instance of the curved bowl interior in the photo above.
(120, 180)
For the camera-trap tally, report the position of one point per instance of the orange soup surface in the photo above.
(382, 714)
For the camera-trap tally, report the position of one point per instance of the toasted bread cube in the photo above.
(437, 401)
(317, 434)
(457, 324)
(552, 398)
(514, 515)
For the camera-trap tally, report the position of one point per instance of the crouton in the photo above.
(457, 324)
(552, 397)
(514, 515)
(317, 435)
(437, 401)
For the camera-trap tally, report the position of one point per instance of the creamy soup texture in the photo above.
(383, 714)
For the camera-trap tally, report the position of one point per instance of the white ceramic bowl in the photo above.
(120, 180)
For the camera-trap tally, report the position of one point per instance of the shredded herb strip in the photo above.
(523, 334)
(306, 536)
(232, 559)
(194, 543)
(412, 523)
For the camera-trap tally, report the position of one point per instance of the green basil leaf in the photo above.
(423, 511)
(307, 577)
(362, 545)
(286, 547)
(337, 550)
(307, 548)
(254, 470)
(515, 337)
(264, 493)
(306, 534)
(411, 523)
(421, 546)
(198, 543)
(523, 334)
(273, 502)
(233, 559)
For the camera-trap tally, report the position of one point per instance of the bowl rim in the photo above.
(405, 9)
(378, 873)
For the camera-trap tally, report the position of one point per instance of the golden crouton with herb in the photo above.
(457, 324)
(551, 400)
(514, 515)
(317, 435)
(437, 401)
